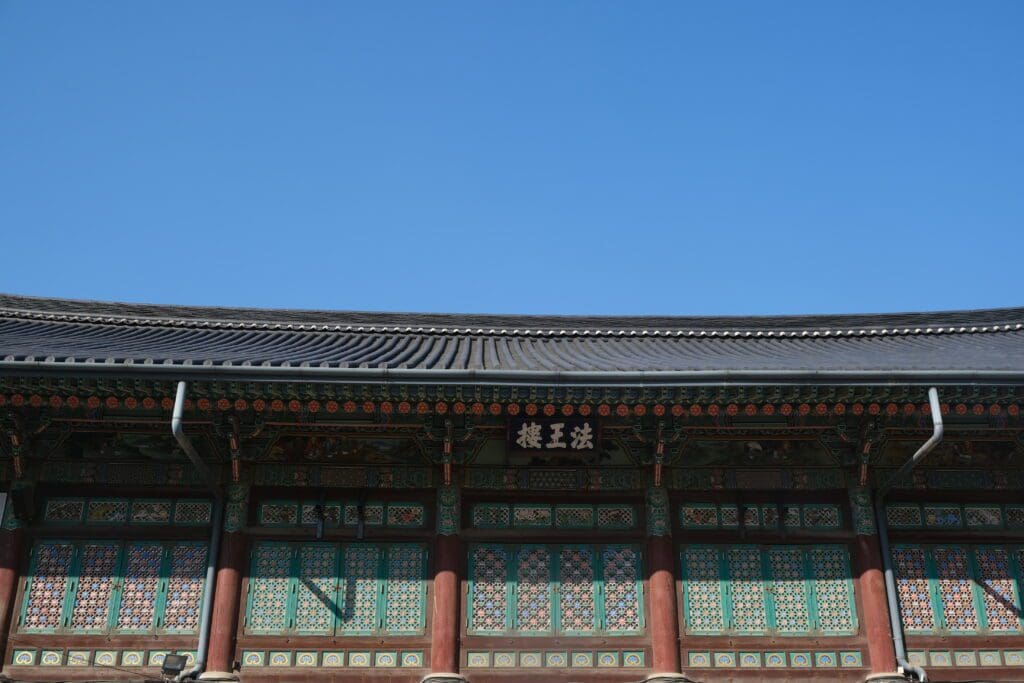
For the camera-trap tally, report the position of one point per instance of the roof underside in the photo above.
(76, 333)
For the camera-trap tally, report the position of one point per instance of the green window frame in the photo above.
(782, 590)
(564, 589)
(325, 589)
(138, 584)
(930, 579)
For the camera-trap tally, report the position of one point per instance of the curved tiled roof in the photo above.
(64, 334)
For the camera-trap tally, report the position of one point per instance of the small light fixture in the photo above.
(173, 665)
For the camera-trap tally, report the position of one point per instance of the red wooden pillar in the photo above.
(871, 585)
(227, 590)
(661, 578)
(448, 563)
(12, 541)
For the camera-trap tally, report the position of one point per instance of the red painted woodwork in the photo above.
(881, 652)
(664, 625)
(226, 597)
(444, 634)
(11, 543)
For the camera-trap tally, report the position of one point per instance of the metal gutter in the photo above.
(632, 378)
(205, 616)
(895, 622)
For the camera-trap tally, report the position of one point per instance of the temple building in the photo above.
(278, 496)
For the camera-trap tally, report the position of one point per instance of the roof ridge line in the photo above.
(859, 331)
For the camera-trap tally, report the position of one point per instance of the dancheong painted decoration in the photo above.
(281, 495)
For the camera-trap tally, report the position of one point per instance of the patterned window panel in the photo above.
(406, 515)
(623, 611)
(699, 516)
(142, 565)
(789, 589)
(616, 517)
(533, 589)
(488, 600)
(491, 515)
(316, 589)
(577, 598)
(996, 585)
(405, 589)
(269, 588)
(97, 574)
(913, 588)
(904, 515)
(833, 589)
(48, 588)
(821, 517)
(358, 595)
(186, 580)
(574, 516)
(943, 516)
(705, 601)
(983, 516)
(749, 611)
(954, 585)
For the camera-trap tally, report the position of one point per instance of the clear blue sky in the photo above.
(550, 156)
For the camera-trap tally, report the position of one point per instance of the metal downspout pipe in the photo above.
(895, 623)
(177, 428)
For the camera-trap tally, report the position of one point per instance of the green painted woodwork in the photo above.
(784, 590)
(113, 587)
(555, 589)
(321, 589)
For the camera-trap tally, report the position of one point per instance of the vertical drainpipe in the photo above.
(895, 622)
(177, 428)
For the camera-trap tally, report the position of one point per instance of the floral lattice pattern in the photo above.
(954, 584)
(912, 586)
(143, 562)
(621, 589)
(315, 594)
(705, 612)
(998, 595)
(49, 586)
(533, 601)
(577, 594)
(830, 572)
(489, 598)
(748, 603)
(789, 590)
(185, 586)
(358, 595)
(269, 588)
(404, 610)
(91, 608)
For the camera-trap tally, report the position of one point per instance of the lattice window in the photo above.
(109, 587)
(959, 589)
(786, 590)
(555, 589)
(729, 516)
(324, 589)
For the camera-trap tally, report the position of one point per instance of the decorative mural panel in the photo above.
(789, 580)
(358, 597)
(488, 596)
(531, 515)
(48, 587)
(316, 589)
(269, 588)
(953, 516)
(533, 589)
(703, 590)
(137, 609)
(728, 516)
(577, 593)
(555, 589)
(97, 572)
(622, 581)
(289, 513)
(405, 589)
(749, 608)
(140, 511)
